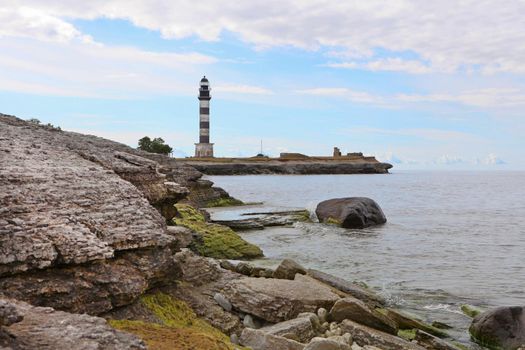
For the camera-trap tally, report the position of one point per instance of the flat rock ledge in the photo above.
(44, 328)
(276, 300)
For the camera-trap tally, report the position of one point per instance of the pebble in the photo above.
(248, 322)
(223, 302)
(322, 313)
(234, 338)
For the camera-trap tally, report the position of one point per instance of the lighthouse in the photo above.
(204, 149)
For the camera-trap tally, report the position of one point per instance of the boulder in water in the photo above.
(500, 328)
(351, 212)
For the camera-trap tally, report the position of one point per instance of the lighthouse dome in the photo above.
(204, 79)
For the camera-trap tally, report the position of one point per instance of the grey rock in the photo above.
(234, 338)
(222, 301)
(287, 269)
(351, 288)
(431, 342)
(406, 322)
(322, 314)
(8, 313)
(502, 327)
(46, 329)
(277, 300)
(356, 310)
(301, 329)
(249, 322)
(260, 340)
(351, 212)
(364, 335)
(335, 343)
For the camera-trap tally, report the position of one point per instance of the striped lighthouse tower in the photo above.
(204, 149)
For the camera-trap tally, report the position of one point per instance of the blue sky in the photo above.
(420, 85)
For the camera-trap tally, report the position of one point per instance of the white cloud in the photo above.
(387, 64)
(492, 97)
(423, 133)
(448, 35)
(491, 159)
(88, 69)
(484, 98)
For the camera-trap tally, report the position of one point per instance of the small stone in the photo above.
(244, 268)
(222, 301)
(234, 339)
(248, 322)
(356, 347)
(322, 313)
(348, 338)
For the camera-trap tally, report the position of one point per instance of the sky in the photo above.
(420, 84)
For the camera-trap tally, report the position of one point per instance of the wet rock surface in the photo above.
(356, 310)
(502, 327)
(351, 212)
(348, 287)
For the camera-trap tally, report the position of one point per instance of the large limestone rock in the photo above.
(60, 206)
(502, 327)
(364, 335)
(259, 340)
(277, 300)
(351, 212)
(97, 287)
(46, 329)
(351, 288)
(356, 310)
(300, 329)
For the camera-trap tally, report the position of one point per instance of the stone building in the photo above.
(204, 149)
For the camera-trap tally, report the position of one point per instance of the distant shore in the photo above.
(289, 164)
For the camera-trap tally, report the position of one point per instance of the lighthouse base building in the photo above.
(204, 149)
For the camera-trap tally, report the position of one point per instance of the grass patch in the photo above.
(218, 241)
(180, 328)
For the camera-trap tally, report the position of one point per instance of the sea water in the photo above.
(452, 238)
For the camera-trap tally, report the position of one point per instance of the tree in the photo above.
(156, 145)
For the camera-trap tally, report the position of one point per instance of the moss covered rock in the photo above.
(178, 327)
(217, 241)
(224, 202)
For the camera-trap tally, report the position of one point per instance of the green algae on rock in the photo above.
(179, 327)
(224, 202)
(470, 311)
(216, 241)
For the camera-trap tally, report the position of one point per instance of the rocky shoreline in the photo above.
(104, 247)
(305, 167)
